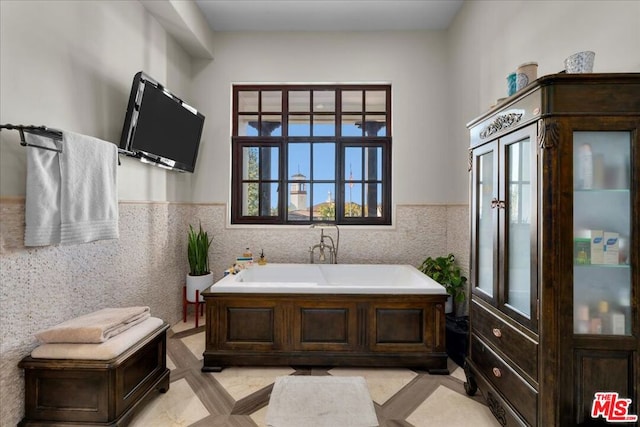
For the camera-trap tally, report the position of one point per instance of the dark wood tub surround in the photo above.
(65, 392)
(325, 330)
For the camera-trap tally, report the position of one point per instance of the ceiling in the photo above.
(329, 15)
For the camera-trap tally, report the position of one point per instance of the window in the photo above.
(305, 154)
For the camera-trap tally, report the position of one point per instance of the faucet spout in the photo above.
(322, 247)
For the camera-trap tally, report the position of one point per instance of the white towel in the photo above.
(95, 327)
(72, 196)
(107, 350)
(42, 201)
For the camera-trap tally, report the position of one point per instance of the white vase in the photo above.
(448, 306)
(581, 62)
(199, 283)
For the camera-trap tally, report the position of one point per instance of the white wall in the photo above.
(415, 63)
(70, 65)
(489, 39)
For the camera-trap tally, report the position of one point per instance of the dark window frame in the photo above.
(341, 179)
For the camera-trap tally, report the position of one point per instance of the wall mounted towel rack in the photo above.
(54, 134)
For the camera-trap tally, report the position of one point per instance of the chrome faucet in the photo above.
(331, 247)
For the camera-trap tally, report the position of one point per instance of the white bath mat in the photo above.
(325, 401)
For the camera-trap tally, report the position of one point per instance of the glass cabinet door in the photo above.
(485, 178)
(518, 223)
(602, 233)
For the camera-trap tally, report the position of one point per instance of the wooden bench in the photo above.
(71, 391)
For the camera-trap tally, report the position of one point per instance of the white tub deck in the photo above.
(329, 279)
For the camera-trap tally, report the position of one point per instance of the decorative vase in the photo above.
(448, 306)
(511, 84)
(525, 74)
(199, 283)
(581, 62)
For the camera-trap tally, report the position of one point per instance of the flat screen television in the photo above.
(159, 127)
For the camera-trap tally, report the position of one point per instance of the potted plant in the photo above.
(445, 271)
(199, 277)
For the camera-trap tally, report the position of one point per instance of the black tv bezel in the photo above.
(140, 80)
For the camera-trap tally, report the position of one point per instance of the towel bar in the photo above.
(36, 130)
(47, 132)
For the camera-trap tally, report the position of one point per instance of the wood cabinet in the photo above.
(555, 251)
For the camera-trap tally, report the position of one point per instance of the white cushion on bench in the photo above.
(107, 350)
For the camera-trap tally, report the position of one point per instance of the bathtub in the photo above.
(330, 278)
(326, 315)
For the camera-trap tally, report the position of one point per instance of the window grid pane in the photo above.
(324, 125)
(375, 101)
(247, 125)
(272, 101)
(299, 125)
(248, 101)
(324, 100)
(352, 101)
(351, 125)
(299, 101)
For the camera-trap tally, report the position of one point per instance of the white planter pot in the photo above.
(199, 283)
(448, 306)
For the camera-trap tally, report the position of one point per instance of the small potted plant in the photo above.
(445, 271)
(199, 277)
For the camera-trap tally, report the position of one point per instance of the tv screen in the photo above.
(159, 127)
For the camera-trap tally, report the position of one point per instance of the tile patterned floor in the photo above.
(238, 397)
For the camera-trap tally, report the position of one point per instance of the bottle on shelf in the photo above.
(582, 319)
(246, 260)
(585, 167)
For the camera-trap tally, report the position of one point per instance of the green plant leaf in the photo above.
(198, 244)
(445, 271)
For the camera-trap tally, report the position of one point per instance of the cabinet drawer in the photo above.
(519, 348)
(498, 406)
(520, 395)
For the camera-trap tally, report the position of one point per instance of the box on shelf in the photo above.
(613, 323)
(618, 324)
(611, 248)
(581, 251)
(597, 246)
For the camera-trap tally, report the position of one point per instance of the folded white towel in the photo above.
(95, 327)
(101, 351)
(71, 196)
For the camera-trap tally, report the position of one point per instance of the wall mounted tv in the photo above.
(159, 127)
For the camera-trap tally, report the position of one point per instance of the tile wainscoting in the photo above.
(41, 287)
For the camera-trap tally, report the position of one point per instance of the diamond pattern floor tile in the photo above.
(170, 364)
(241, 382)
(446, 407)
(178, 407)
(382, 383)
(195, 343)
